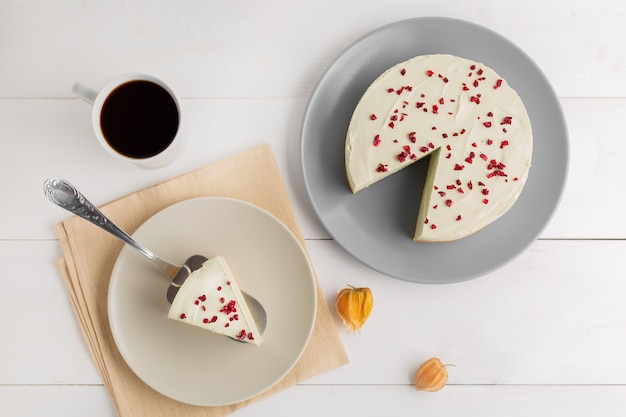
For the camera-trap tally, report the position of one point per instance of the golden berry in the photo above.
(431, 376)
(354, 306)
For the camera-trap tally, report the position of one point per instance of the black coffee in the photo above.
(139, 119)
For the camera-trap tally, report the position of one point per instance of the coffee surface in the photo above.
(139, 119)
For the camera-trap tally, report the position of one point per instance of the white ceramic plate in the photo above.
(193, 365)
(376, 225)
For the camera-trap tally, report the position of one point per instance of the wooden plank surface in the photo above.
(544, 335)
(280, 48)
(531, 322)
(67, 148)
(362, 400)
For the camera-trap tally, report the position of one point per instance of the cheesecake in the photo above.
(464, 117)
(211, 299)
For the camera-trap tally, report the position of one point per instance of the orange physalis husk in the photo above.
(354, 306)
(431, 376)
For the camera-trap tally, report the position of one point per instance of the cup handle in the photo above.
(84, 92)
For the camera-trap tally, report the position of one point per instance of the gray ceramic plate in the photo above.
(376, 225)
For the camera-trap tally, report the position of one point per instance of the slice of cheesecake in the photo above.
(210, 299)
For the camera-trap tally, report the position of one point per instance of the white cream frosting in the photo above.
(467, 118)
(210, 298)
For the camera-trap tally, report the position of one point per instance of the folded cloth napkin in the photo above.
(90, 253)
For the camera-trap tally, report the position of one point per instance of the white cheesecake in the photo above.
(210, 299)
(466, 118)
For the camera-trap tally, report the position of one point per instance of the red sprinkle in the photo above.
(498, 84)
(430, 73)
(373, 117)
(229, 308)
(183, 316)
(487, 124)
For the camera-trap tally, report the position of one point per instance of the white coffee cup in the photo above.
(137, 118)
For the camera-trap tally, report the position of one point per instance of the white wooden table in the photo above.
(544, 335)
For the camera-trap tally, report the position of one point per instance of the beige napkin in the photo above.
(89, 254)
